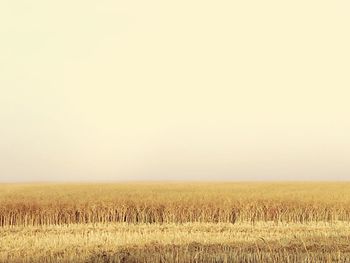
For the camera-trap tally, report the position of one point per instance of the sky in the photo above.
(174, 90)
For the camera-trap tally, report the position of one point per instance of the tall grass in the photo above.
(173, 203)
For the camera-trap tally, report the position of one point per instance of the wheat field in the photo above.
(175, 222)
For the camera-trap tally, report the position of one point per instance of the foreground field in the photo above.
(190, 242)
(154, 222)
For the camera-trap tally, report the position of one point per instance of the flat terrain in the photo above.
(189, 222)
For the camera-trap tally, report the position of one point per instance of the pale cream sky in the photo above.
(174, 90)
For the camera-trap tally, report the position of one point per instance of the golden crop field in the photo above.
(175, 222)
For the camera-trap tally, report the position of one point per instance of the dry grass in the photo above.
(173, 203)
(151, 242)
(246, 222)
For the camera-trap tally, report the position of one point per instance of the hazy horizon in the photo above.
(182, 90)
